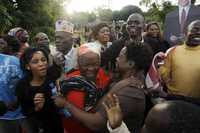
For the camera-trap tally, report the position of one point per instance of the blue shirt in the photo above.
(10, 73)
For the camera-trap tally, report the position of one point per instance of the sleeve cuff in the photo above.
(121, 129)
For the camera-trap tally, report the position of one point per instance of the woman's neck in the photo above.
(128, 74)
(37, 81)
(102, 43)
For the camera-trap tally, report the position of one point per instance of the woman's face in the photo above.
(89, 64)
(38, 64)
(103, 35)
(153, 30)
(122, 62)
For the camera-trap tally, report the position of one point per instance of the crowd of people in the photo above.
(142, 80)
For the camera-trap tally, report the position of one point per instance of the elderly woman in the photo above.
(89, 80)
(154, 39)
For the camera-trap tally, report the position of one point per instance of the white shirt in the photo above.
(187, 8)
(71, 59)
(121, 129)
(98, 46)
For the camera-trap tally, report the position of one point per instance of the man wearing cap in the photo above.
(64, 43)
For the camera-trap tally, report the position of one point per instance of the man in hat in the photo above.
(64, 43)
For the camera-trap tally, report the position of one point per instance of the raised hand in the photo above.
(112, 107)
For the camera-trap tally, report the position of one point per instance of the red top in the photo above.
(77, 97)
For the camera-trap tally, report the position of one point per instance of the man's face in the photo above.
(43, 42)
(183, 2)
(135, 26)
(63, 41)
(89, 64)
(193, 36)
(24, 36)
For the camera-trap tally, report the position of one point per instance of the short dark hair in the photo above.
(13, 43)
(180, 116)
(184, 117)
(193, 2)
(97, 28)
(139, 54)
(152, 23)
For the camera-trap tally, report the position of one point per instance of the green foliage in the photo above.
(41, 15)
(148, 3)
(6, 18)
(104, 14)
(125, 12)
(128, 10)
(33, 15)
(158, 12)
(116, 15)
(82, 18)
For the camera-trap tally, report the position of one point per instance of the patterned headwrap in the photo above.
(63, 25)
(20, 33)
(87, 48)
